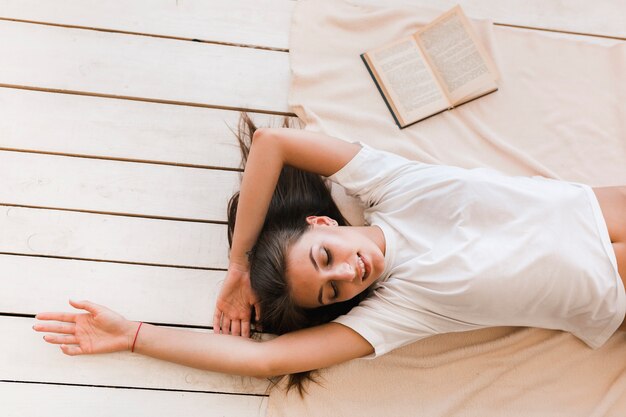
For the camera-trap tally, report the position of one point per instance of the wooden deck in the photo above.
(116, 162)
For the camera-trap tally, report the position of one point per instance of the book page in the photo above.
(408, 80)
(461, 63)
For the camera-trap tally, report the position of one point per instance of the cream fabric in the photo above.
(559, 113)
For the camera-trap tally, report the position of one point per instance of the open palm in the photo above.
(101, 330)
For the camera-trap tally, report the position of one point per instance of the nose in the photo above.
(344, 272)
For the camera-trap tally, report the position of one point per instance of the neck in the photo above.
(373, 233)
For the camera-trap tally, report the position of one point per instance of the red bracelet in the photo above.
(133, 348)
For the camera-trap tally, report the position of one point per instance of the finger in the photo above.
(58, 339)
(55, 328)
(257, 311)
(93, 308)
(235, 327)
(66, 317)
(245, 328)
(217, 318)
(71, 350)
(226, 325)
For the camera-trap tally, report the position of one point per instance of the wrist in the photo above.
(239, 265)
(130, 333)
(238, 254)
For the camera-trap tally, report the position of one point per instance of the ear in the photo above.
(321, 221)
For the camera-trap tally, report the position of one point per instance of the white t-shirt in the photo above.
(474, 248)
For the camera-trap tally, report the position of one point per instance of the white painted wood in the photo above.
(115, 187)
(27, 357)
(115, 238)
(144, 67)
(124, 129)
(251, 22)
(266, 23)
(176, 296)
(129, 66)
(36, 400)
(599, 17)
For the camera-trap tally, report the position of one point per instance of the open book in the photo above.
(439, 67)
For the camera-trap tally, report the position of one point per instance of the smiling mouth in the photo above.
(363, 267)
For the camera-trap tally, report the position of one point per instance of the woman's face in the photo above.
(331, 263)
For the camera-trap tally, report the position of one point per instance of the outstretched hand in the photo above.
(234, 303)
(100, 330)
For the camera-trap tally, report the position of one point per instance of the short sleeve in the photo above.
(384, 325)
(370, 173)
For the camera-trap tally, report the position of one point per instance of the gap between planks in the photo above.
(268, 48)
(560, 31)
(179, 326)
(149, 100)
(113, 261)
(134, 160)
(120, 159)
(110, 213)
(134, 388)
(154, 323)
(152, 35)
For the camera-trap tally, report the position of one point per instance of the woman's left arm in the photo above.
(304, 350)
(102, 330)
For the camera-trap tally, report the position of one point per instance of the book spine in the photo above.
(475, 98)
(450, 108)
(380, 90)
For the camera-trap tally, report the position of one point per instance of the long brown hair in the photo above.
(298, 194)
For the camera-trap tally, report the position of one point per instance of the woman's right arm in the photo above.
(102, 330)
(271, 149)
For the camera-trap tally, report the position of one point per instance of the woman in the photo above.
(445, 249)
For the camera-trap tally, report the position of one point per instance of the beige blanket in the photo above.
(559, 113)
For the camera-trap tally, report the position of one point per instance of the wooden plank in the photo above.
(146, 68)
(121, 129)
(173, 296)
(262, 23)
(115, 187)
(266, 23)
(27, 357)
(35, 400)
(114, 238)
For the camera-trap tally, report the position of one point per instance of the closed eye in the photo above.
(329, 257)
(336, 293)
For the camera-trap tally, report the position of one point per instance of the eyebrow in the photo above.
(319, 296)
(313, 260)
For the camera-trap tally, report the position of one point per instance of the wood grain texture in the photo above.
(262, 23)
(115, 187)
(27, 357)
(121, 129)
(266, 23)
(35, 400)
(139, 67)
(173, 296)
(112, 238)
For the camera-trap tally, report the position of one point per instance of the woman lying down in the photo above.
(444, 249)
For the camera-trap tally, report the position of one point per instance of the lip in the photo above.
(367, 267)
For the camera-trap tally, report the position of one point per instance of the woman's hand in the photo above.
(99, 331)
(234, 303)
